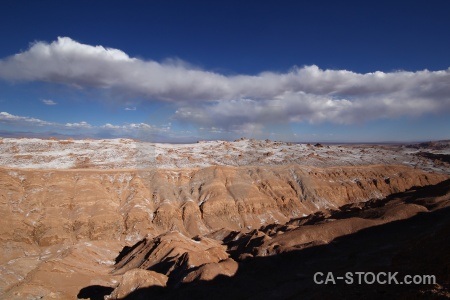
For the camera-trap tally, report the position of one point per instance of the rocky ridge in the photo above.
(73, 224)
(179, 260)
(131, 154)
(50, 207)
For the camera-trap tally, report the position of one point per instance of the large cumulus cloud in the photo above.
(211, 99)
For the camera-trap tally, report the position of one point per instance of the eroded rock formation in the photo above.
(183, 261)
(61, 230)
(50, 207)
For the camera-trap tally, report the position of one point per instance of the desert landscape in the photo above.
(244, 219)
(224, 150)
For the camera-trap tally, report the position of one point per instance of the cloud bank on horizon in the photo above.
(234, 103)
(110, 130)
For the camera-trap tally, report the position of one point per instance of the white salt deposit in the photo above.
(130, 154)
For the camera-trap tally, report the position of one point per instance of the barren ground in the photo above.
(243, 219)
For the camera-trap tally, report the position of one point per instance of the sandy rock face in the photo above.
(209, 271)
(176, 256)
(193, 264)
(61, 230)
(137, 279)
(50, 207)
(169, 250)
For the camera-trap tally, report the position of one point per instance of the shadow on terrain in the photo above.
(419, 245)
(94, 292)
(433, 156)
(127, 250)
(417, 195)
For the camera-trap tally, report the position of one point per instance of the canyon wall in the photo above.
(47, 207)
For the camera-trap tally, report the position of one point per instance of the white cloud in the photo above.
(307, 94)
(110, 126)
(84, 128)
(48, 102)
(80, 125)
(130, 108)
(20, 121)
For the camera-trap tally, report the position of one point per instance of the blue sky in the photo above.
(177, 71)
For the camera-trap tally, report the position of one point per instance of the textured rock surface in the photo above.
(137, 279)
(62, 229)
(209, 271)
(171, 251)
(131, 154)
(51, 207)
(402, 233)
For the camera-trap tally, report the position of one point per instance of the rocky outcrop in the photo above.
(61, 229)
(186, 260)
(50, 207)
(170, 251)
(137, 279)
(176, 256)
